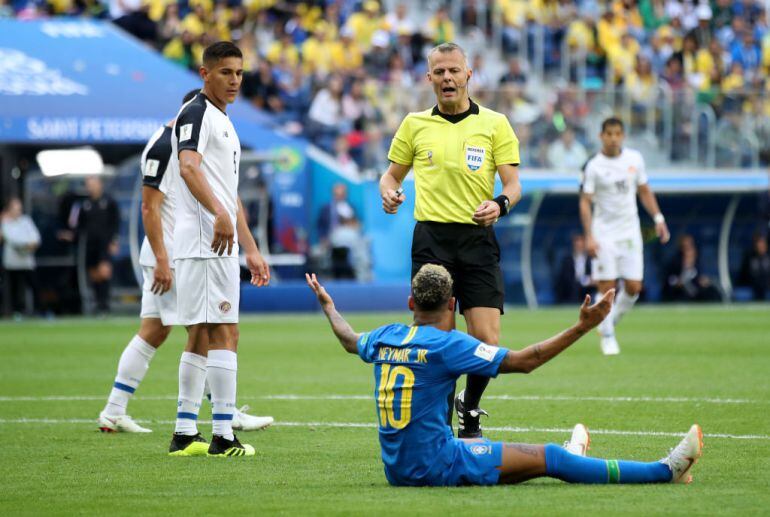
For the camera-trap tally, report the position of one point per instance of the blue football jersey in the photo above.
(415, 369)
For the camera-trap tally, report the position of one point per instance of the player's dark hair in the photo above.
(431, 287)
(220, 50)
(189, 95)
(612, 122)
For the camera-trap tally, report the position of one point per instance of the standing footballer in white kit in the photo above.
(210, 226)
(158, 310)
(610, 182)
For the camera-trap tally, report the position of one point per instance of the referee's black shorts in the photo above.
(471, 255)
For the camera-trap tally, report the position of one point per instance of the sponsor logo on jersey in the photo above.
(474, 157)
(151, 168)
(185, 132)
(486, 352)
(225, 307)
(480, 450)
(226, 135)
(430, 158)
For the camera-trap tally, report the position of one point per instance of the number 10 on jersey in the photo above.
(389, 377)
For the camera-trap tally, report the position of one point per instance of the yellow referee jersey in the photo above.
(455, 159)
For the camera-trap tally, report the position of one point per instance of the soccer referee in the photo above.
(455, 148)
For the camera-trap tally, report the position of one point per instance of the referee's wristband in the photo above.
(658, 218)
(503, 202)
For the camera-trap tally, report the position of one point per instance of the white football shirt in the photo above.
(613, 184)
(202, 127)
(155, 165)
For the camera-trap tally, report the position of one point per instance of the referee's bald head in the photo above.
(431, 287)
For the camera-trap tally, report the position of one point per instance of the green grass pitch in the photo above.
(679, 365)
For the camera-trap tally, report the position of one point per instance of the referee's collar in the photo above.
(454, 119)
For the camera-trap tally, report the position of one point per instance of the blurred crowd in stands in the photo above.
(344, 72)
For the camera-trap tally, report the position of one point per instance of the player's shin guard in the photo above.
(572, 468)
(222, 368)
(133, 364)
(192, 377)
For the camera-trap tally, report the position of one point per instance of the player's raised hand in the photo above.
(259, 269)
(392, 199)
(224, 234)
(161, 279)
(487, 213)
(592, 315)
(323, 297)
(661, 230)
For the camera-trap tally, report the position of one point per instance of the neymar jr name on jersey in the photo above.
(402, 355)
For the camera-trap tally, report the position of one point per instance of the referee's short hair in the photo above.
(431, 287)
(612, 121)
(220, 50)
(446, 48)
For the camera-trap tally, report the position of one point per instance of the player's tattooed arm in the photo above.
(347, 337)
(533, 356)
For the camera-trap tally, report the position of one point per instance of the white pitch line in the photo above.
(290, 397)
(368, 425)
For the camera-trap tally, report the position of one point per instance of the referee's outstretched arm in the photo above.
(390, 187)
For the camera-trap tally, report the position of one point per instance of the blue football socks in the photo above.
(572, 468)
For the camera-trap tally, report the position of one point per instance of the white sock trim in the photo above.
(225, 359)
(142, 347)
(195, 360)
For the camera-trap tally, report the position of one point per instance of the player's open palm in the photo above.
(592, 315)
(259, 269)
(224, 235)
(323, 297)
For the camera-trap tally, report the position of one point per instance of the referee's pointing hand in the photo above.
(223, 234)
(391, 200)
(487, 213)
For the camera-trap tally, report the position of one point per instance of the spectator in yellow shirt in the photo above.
(734, 81)
(317, 52)
(440, 28)
(364, 23)
(623, 57)
(642, 84)
(283, 51)
(346, 54)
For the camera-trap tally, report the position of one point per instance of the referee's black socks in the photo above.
(474, 389)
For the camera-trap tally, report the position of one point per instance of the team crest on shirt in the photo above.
(474, 157)
(225, 307)
(631, 169)
(480, 450)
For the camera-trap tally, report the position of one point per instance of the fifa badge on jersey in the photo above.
(480, 450)
(185, 132)
(474, 157)
(486, 352)
(151, 168)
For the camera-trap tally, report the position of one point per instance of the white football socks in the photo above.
(132, 366)
(623, 304)
(192, 377)
(222, 368)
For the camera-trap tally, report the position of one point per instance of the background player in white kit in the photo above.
(610, 182)
(158, 312)
(206, 154)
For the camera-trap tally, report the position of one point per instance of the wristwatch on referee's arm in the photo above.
(503, 202)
